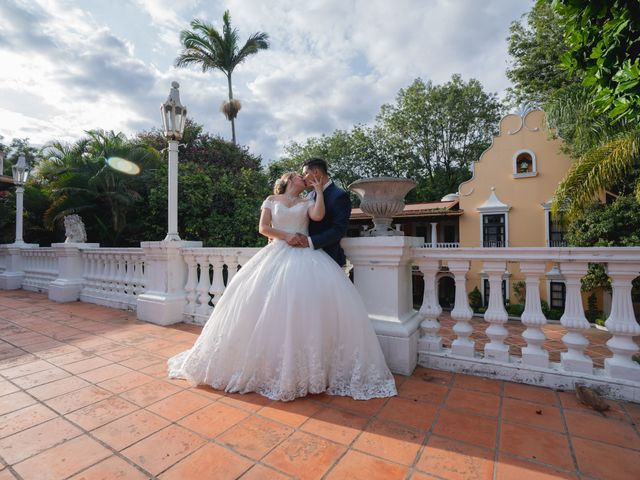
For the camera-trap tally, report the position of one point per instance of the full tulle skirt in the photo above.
(289, 323)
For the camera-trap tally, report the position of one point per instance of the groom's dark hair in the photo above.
(316, 162)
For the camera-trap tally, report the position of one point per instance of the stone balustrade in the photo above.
(209, 272)
(113, 277)
(40, 267)
(170, 282)
(621, 376)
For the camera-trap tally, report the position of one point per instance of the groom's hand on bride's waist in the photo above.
(298, 240)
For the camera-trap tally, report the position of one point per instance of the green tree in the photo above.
(431, 134)
(439, 130)
(599, 119)
(79, 179)
(211, 50)
(221, 188)
(536, 47)
(603, 39)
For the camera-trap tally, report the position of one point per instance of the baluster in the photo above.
(217, 286)
(496, 315)
(461, 313)
(574, 320)
(104, 274)
(138, 275)
(111, 275)
(533, 318)
(121, 272)
(192, 281)
(622, 323)
(88, 273)
(430, 309)
(128, 278)
(203, 286)
(232, 266)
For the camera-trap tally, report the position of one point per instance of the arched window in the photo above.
(524, 164)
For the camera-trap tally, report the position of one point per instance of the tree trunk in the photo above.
(233, 121)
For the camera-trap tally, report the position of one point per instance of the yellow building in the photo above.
(506, 203)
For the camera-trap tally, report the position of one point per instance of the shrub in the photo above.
(516, 309)
(545, 308)
(475, 299)
(554, 314)
(519, 291)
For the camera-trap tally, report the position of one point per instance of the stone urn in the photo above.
(382, 198)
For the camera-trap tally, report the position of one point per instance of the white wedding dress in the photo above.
(289, 323)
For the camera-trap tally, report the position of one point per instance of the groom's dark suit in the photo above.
(327, 233)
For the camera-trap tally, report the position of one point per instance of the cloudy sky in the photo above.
(72, 65)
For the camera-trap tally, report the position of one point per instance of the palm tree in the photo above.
(81, 181)
(205, 46)
(605, 152)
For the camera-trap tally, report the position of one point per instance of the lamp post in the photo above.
(174, 115)
(20, 173)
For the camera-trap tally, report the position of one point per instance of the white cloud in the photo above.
(331, 63)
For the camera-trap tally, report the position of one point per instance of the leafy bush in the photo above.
(600, 321)
(545, 308)
(475, 299)
(592, 312)
(519, 291)
(554, 314)
(516, 309)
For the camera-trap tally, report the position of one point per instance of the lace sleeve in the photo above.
(268, 204)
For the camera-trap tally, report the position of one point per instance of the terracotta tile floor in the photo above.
(84, 395)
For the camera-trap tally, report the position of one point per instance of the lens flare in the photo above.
(123, 165)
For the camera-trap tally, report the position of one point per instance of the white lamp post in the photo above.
(174, 115)
(20, 174)
(1, 163)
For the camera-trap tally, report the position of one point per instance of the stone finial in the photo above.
(74, 229)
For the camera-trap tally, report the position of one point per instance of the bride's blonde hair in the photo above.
(281, 184)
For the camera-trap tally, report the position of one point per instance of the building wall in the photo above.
(526, 196)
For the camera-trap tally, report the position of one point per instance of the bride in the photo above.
(290, 322)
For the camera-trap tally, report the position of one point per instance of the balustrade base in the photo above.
(11, 280)
(161, 309)
(401, 353)
(630, 371)
(553, 377)
(62, 290)
(399, 340)
(430, 344)
(574, 363)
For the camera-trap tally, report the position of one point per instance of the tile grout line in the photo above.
(429, 434)
(496, 454)
(574, 458)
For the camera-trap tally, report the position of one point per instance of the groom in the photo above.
(327, 233)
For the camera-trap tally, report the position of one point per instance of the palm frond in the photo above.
(597, 169)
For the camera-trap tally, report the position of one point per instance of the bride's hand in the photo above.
(316, 183)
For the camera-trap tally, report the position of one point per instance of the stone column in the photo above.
(532, 317)
(430, 309)
(496, 315)
(165, 273)
(68, 285)
(574, 321)
(382, 275)
(622, 323)
(434, 234)
(461, 313)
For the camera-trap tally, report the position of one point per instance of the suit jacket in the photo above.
(328, 232)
